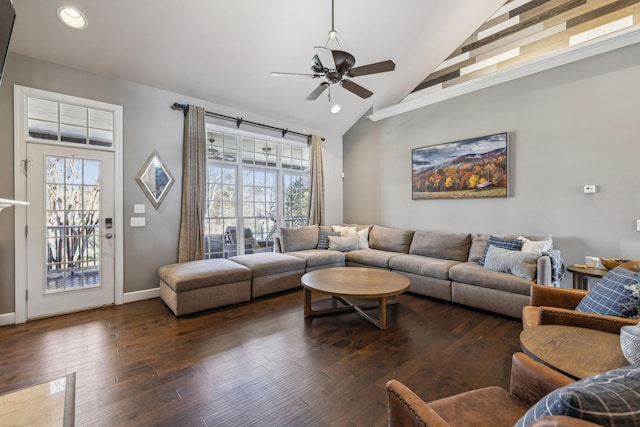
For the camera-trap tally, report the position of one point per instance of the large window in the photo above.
(254, 184)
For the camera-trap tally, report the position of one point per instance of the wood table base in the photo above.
(380, 322)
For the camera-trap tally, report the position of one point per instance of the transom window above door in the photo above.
(50, 120)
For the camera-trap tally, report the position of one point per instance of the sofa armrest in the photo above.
(562, 316)
(407, 409)
(531, 381)
(543, 273)
(555, 297)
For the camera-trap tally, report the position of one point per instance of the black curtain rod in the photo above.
(240, 120)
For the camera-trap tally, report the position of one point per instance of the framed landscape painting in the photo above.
(475, 167)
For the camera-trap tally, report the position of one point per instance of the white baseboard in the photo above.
(7, 319)
(141, 295)
(10, 318)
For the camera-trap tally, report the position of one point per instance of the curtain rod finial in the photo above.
(178, 106)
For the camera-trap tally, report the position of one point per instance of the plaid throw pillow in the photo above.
(608, 399)
(608, 295)
(499, 242)
(323, 238)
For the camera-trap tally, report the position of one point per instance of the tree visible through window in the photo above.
(255, 185)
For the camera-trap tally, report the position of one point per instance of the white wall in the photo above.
(149, 123)
(568, 127)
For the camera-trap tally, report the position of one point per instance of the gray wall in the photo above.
(571, 126)
(149, 124)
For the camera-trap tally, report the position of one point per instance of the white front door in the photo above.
(70, 236)
(68, 240)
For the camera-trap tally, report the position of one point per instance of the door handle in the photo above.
(108, 235)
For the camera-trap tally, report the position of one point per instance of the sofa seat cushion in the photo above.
(268, 263)
(489, 406)
(441, 244)
(474, 274)
(390, 239)
(422, 265)
(372, 257)
(186, 276)
(319, 257)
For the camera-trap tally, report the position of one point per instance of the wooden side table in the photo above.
(581, 274)
(576, 352)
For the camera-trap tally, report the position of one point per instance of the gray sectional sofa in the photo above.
(440, 264)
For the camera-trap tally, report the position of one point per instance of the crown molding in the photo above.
(430, 96)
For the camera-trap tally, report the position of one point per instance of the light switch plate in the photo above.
(138, 209)
(138, 221)
(589, 188)
(638, 224)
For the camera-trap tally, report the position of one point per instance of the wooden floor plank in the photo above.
(258, 363)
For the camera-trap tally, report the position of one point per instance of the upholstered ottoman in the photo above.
(272, 272)
(193, 286)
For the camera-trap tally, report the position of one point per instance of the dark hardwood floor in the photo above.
(259, 363)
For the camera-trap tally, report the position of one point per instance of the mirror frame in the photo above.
(153, 158)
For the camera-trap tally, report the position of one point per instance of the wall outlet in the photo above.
(138, 221)
(589, 188)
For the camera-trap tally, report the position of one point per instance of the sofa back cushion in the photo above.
(299, 239)
(390, 239)
(479, 242)
(441, 244)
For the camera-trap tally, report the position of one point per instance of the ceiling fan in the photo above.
(335, 65)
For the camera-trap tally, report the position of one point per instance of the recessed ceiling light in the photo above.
(72, 17)
(335, 108)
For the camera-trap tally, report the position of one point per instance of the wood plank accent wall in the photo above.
(523, 31)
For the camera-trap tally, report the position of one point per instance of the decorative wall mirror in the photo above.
(155, 179)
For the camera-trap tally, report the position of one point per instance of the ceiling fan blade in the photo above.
(356, 89)
(316, 65)
(343, 60)
(378, 67)
(308, 76)
(326, 57)
(317, 91)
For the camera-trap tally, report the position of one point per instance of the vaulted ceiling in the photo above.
(224, 51)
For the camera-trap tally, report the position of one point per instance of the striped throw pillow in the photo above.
(608, 399)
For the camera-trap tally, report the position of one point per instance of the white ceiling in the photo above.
(223, 51)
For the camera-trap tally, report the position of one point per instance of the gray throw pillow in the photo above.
(323, 238)
(299, 239)
(521, 264)
(343, 244)
(608, 399)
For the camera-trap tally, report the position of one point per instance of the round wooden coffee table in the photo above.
(354, 282)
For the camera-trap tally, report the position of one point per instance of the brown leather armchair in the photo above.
(556, 306)
(489, 406)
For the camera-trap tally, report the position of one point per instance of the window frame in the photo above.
(245, 160)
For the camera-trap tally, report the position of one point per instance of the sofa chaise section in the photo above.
(194, 286)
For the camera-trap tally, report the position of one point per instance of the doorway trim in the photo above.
(20, 94)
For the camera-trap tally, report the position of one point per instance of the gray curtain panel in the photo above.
(194, 169)
(316, 205)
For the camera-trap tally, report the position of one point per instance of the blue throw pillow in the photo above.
(323, 238)
(608, 399)
(609, 294)
(499, 242)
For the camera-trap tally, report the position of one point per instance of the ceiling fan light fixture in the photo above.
(335, 108)
(72, 17)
